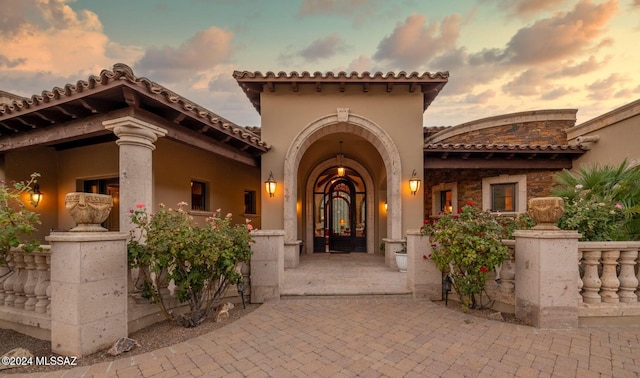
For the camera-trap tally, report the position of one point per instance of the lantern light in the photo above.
(36, 195)
(270, 185)
(340, 159)
(414, 183)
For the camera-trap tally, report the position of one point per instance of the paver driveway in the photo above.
(373, 336)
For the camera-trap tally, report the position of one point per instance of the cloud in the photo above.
(50, 37)
(556, 93)
(206, 49)
(360, 64)
(563, 35)
(480, 98)
(604, 89)
(527, 8)
(582, 68)
(323, 48)
(329, 7)
(413, 42)
(525, 84)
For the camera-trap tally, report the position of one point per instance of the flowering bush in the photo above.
(596, 219)
(601, 202)
(467, 245)
(16, 222)
(202, 260)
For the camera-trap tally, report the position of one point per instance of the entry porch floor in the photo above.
(343, 274)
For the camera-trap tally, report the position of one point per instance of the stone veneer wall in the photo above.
(539, 183)
(535, 132)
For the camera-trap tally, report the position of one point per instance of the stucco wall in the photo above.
(176, 164)
(286, 113)
(19, 165)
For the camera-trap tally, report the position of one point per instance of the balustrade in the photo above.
(26, 286)
(610, 272)
(508, 270)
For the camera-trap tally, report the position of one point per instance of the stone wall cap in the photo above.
(586, 245)
(86, 236)
(267, 233)
(547, 234)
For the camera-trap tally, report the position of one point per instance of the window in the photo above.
(444, 198)
(198, 195)
(250, 202)
(503, 197)
(505, 194)
(105, 186)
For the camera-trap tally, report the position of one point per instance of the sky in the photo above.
(503, 56)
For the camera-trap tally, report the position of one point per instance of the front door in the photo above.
(340, 207)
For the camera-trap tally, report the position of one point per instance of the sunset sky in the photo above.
(503, 56)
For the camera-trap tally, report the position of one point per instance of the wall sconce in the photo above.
(414, 183)
(385, 206)
(340, 159)
(270, 185)
(36, 195)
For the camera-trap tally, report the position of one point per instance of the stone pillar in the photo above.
(292, 254)
(267, 265)
(392, 246)
(135, 139)
(546, 278)
(88, 291)
(423, 277)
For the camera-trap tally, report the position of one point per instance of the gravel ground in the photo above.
(154, 337)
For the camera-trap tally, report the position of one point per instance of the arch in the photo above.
(343, 121)
(368, 182)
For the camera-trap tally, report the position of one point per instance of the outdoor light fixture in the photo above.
(414, 183)
(270, 185)
(385, 206)
(340, 159)
(36, 195)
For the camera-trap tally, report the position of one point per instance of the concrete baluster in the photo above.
(21, 280)
(580, 283)
(7, 285)
(591, 282)
(30, 284)
(42, 269)
(49, 286)
(609, 278)
(4, 270)
(508, 272)
(628, 280)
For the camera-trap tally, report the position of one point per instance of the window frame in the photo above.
(436, 192)
(253, 198)
(520, 193)
(205, 195)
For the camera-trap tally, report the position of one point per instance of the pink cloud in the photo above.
(480, 98)
(413, 42)
(563, 35)
(525, 84)
(604, 89)
(323, 48)
(527, 8)
(581, 68)
(206, 49)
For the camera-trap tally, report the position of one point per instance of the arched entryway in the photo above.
(339, 212)
(390, 168)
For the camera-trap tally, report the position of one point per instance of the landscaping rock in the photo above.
(123, 344)
(19, 353)
(496, 316)
(222, 311)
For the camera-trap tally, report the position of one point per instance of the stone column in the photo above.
(423, 277)
(267, 265)
(135, 139)
(391, 246)
(88, 291)
(546, 278)
(292, 254)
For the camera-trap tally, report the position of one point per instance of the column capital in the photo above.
(131, 130)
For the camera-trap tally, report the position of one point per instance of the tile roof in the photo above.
(254, 83)
(120, 75)
(502, 147)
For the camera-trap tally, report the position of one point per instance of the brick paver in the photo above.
(376, 336)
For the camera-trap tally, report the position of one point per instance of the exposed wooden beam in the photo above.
(39, 114)
(19, 119)
(131, 97)
(465, 156)
(294, 86)
(8, 127)
(510, 156)
(444, 155)
(271, 87)
(489, 156)
(342, 86)
(87, 106)
(365, 87)
(413, 87)
(532, 156)
(553, 157)
(64, 132)
(319, 86)
(65, 111)
(389, 87)
(431, 162)
(179, 118)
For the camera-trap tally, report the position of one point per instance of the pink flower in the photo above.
(618, 206)
(426, 221)
(140, 205)
(229, 215)
(483, 269)
(250, 226)
(182, 203)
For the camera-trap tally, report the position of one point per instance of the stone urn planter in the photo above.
(401, 261)
(88, 210)
(546, 211)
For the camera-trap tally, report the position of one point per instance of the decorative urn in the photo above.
(88, 210)
(546, 211)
